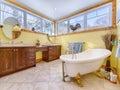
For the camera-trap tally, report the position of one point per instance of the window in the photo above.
(33, 22)
(48, 27)
(77, 20)
(26, 19)
(9, 11)
(62, 27)
(100, 17)
(95, 18)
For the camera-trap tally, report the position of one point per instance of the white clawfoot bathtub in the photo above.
(85, 62)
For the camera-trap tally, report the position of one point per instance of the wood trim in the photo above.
(90, 30)
(28, 9)
(24, 30)
(114, 13)
(86, 9)
(55, 28)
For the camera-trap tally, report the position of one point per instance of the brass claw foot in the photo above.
(77, 80)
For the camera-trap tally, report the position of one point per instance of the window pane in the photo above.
(91, 14)
(77, 21)
(103, 11)
(37, 26)
(102, 18)
(31, 21)
(48, 27)
(7, 8)
(101, 21)
(62, 27)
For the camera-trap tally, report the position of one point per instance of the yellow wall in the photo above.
(91, 39)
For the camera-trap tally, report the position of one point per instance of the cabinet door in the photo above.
(30, 56)
(20, 61)
(6, 60)
(53, 53)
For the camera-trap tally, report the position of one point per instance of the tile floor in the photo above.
(48, 76)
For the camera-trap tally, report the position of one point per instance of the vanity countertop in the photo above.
(50, 45)
(17, 45)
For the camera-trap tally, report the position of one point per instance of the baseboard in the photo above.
(38, 60)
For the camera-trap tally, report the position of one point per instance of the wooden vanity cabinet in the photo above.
(6, 60)
(13, 59)
(52, 53)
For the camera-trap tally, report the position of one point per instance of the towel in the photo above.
(76, 47)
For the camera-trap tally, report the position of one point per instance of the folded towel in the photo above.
(76, 47)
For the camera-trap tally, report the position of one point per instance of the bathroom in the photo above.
(37, 81)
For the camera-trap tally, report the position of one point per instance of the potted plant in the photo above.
(38, 42)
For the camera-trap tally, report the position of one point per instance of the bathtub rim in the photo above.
(86, 60)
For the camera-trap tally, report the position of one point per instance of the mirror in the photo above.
(11, 28)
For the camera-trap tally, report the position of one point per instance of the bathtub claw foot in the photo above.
(77, 79)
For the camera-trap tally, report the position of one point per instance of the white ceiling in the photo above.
(63, 7)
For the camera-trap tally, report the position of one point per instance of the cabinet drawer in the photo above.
(52, 53)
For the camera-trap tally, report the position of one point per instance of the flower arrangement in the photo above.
(109, 40)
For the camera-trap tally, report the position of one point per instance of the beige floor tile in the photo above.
(48, 76)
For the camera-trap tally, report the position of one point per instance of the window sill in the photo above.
(32, 31)
(89, 30)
